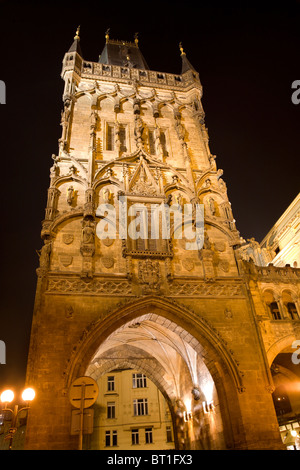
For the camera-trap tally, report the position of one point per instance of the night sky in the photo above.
(247, 57)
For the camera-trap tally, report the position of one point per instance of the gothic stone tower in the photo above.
(185, 318)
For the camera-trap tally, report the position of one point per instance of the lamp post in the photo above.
(7, 397)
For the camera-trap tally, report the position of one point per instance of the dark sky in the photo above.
(247, 57)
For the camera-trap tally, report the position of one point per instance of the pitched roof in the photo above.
(122, 53)
(186, 65)
(75, 47)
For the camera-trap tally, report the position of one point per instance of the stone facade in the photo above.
(196, 322)
(283, 240)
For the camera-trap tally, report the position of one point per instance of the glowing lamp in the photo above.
(7, 396)
(28, 394)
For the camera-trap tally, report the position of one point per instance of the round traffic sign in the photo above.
(83, 392)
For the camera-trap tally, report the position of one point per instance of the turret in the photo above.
(72, 64)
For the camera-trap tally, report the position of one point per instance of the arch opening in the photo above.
(286, 395)
(175, 362)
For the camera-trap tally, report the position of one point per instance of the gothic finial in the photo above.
(181, 49)
(136, 40)
(107, 35)
(77, 33)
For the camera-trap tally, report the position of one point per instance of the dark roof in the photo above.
(186, 65)
(76, 43)
(76, 47)
(122, 53)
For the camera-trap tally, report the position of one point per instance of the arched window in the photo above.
(272, 305)
(290, 305)
(292, 309)
(274, 309)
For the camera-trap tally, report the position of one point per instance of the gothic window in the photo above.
(292, 310)
(122, 137)
(152, 148)
(140, 406)
(110, 137)
(153, 144)
(145, 232)
(274, 309)
(163, 142)
(139, 381)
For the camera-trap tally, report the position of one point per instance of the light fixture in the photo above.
(187, 416)
(208, 407)
(7, 396)
(28, 394)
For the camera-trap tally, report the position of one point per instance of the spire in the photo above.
(186, 65)
(76, 44)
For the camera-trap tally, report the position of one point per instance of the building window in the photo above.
(122, 137)
(135, 437)
(140, 406)
(292, 309)
(148, 436)
(111, 410)
(145, 230)
(275, 311)
(111, 438)
(169, 434)
(110, 137)
(110, 383)
(161, 141)
(152, 149)
(139, 381)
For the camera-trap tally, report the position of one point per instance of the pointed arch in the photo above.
(210, 342)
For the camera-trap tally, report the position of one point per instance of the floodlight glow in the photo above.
(7, 396)
(28, 394)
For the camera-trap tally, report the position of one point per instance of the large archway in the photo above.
(286, 396)
(184, 357)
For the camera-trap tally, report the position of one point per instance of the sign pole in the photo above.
(83, 393)
(81, 415)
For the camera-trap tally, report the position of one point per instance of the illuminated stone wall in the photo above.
(188, 319)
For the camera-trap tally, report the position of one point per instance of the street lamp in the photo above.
(7, 397)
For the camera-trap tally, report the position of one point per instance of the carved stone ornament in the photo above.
(68, 238)
(149, 275)
(188, 264)
(224, 265)
(90, 287)
(65, 260)
(205, 289)
(69, 311)
(107, 241)
(108, 261)
(228, 313)
(220, 246)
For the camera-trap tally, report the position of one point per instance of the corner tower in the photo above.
(182, 317)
